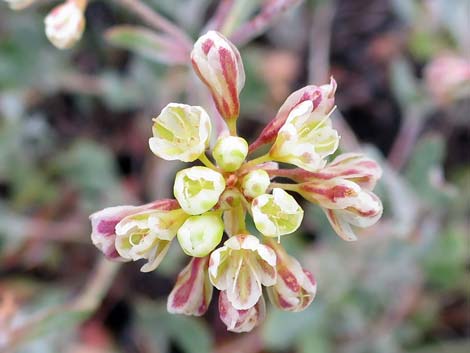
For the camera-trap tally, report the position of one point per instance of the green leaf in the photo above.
(148, 43)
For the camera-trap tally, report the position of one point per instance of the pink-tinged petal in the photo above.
(241, 320)
(295, 287)
(340, 226)
(335, 193)
(322, 98)
(192, 292)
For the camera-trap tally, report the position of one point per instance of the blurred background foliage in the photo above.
(74, 127)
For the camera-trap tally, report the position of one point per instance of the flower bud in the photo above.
(240, 267)
(65, 23)
(218, 64)
(199, 235)
(345, 203)
(350, 166)
(305, 139)
(322, 98)
(447, 77)
(277, 214)
(148, 235)
(198, 189)
(255, 183)
(19, 4)
(230, 152)
(180, 132)
(295, 287)
(192, 292)
(103, 224)
(238, 320)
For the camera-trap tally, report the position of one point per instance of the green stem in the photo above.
(262, 159)
(290, 187)
(206, 161)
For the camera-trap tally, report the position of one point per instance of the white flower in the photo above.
(255, 183)
(198, 189)
(230, 152)
(180, 132)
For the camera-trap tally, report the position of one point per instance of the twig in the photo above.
(268, 15)
(154, 19)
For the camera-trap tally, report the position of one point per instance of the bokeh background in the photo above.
(74, 127)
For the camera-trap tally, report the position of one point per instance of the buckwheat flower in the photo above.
(19, 4)
(230, 152)
(218, 64)
(345, 204)
(192, 292)
(447, 76)
(148, 235)
(103, 224)
(199, 235)
(277, 214)
(322, 98)
(295, 287)
(198, 189)
(238, 320)
(305, 139)
(255, 183)
(180, 132)
(65, 23)
(240, 267)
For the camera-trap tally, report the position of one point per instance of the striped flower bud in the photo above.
(322, 98)
(238, 320)
(103, 224)
(218, 64)
(198, 189)
(148, 235)
(180, 132)
(192, 292)
(305, 139)
(65, 23)
(240, 267)
(255, 183)
(295, 287)
(230, 152)
(277, 214)
(199, 235)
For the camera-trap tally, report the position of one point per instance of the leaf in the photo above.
(148, 43)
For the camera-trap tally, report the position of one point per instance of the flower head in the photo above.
(255, 183)
(240, 267)
(192, 292)
(218, 64)
(230, 152)
(198, 189)
(65, 23)
(277, 214)
(180, 132)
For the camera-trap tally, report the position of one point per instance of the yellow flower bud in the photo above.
(199, 235)
(198, 189)
(230, 152)
(255, 183)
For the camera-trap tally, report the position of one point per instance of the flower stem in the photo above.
(264, 158)
(290, 187)
(206, 161)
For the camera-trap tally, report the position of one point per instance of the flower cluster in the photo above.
(221, 193)
(65, 23)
